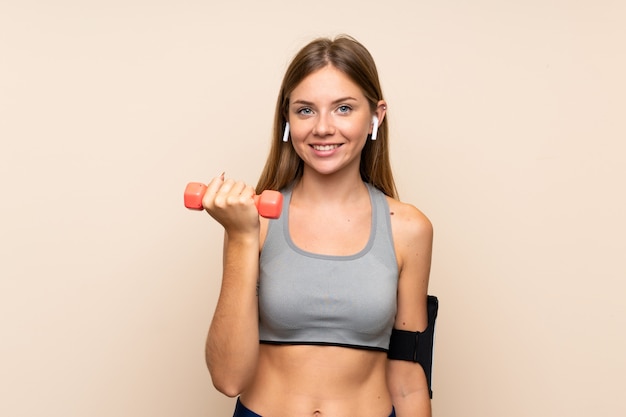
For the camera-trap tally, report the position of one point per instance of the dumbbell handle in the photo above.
(269, 203)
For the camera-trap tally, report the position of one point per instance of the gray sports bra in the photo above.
(313, 299)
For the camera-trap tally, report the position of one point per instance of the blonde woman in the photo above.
(309, 302)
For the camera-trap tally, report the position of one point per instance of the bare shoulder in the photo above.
(408, 223)
(412, 239)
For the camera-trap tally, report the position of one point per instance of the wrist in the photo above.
(242, 239)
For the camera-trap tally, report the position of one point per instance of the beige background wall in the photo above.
(508, 131)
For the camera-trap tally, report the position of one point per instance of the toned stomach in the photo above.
(319, 381)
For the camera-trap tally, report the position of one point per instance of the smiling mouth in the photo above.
(325, 147)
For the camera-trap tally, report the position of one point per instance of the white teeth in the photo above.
(325, 147)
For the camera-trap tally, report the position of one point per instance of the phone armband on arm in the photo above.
(417, 346)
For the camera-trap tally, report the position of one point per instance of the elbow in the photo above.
(227, 382)
(229, 376)
(227, 388)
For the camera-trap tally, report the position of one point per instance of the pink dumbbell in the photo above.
(269, 203)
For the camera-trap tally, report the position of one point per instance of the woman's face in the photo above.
(329, 119)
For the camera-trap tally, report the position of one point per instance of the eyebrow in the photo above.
(339, 100)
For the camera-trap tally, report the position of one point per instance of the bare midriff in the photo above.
(319, 381)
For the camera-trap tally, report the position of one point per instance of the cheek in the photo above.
(355, 130)
(299, 130)
(356, 123)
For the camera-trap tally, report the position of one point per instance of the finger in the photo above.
(232, 188)
(212, 188)
(248, 191)
(229, 194)
(214, 185)
(239, 194)
(224, 193)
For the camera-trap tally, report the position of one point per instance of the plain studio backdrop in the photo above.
(508, 131)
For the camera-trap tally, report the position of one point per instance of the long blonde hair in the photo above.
(283, 165)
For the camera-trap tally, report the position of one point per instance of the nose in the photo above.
(324, 125)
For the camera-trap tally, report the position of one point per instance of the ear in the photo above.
(378, 117)
(381, 110)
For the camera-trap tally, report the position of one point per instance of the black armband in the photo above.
(417, 346)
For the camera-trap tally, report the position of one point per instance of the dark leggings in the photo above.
(242, 411)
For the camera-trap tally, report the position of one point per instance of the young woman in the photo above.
(308, 302)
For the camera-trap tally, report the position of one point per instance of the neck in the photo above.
(335, 188)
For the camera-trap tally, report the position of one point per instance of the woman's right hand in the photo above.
(231, 203)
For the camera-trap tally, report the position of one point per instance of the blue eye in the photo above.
(305, 111)
(344, 109)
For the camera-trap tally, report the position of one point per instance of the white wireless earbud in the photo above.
(375, 127)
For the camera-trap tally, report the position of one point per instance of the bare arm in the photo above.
(233, 342)
(413, 235)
